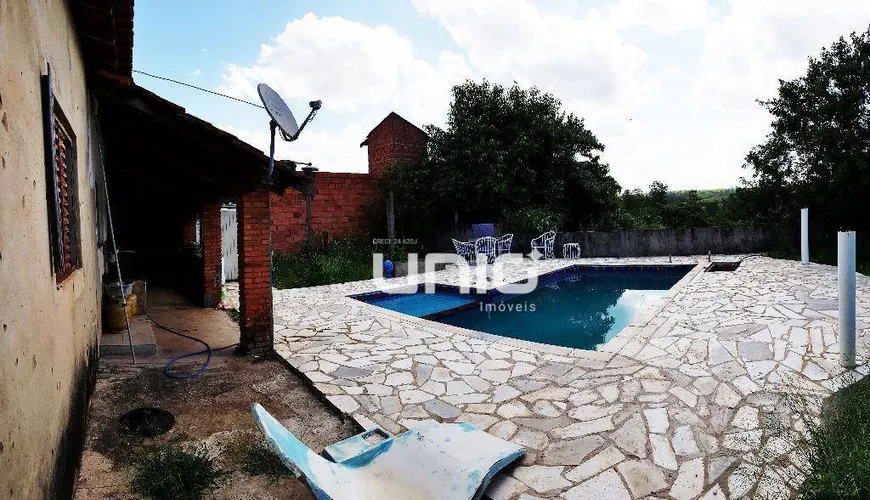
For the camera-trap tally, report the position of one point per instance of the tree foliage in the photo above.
(506, 150)
(818, 152)
(659, 208)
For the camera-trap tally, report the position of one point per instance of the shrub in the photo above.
(838, 450)
(532, 220)
(338, 262)
(173, 473)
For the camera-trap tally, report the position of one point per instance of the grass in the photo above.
(838, 450)
(339, 262)
(171, 472)
(260, 459)
(252, 455)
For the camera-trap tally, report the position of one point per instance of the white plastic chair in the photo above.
(488, 245)
(466, 250)
(544, 244)
(505, 243)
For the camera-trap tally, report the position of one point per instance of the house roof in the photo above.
(105, 29)
(158, 134)
(389, 118)
(157, 143)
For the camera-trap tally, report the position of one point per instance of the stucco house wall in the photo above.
(48, 331)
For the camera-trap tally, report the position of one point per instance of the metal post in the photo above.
(846, 281)
(272, 125)
(391, 219)
(805, 236)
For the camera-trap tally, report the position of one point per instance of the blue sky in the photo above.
(669, 86)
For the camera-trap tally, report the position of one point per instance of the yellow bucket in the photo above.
(113, 313)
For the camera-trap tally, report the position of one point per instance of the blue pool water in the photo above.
(583, 311)
(421, 304)
(577, 307)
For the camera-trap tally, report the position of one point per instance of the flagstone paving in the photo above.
(692, 400)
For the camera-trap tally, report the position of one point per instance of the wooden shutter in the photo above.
(61, 185)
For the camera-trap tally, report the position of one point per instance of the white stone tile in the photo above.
(542, 479)
(632, 436)
(662, 453)
(642, 476)
(690, 480)
(684, 441)
(657, 419)
(606, 485)
(746, 418)
(601, 461)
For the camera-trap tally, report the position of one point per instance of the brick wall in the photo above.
(211, 254)
(255, 273)
(344, 205)
(394, 140)
(188, 231)
(348, 205)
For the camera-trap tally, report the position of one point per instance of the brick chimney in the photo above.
(394, 141)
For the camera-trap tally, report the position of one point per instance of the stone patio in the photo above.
(693, 400)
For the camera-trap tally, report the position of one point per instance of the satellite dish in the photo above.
(281, 118)
(278, 110)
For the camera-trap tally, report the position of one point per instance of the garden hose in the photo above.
(207, 351)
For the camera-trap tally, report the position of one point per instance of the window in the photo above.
(61, 185)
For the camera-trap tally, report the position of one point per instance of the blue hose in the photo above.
(208, 351)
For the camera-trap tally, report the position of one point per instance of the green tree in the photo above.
(506, 150)
(818, 152)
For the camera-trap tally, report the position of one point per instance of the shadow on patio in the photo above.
(213, 408)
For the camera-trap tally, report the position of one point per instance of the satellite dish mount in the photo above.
(281, 118)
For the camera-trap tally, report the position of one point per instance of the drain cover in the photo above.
(147, 421)
(723, 266)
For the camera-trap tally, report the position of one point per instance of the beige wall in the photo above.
(47, 331)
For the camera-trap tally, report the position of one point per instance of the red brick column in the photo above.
(255, 272)
(211, 254)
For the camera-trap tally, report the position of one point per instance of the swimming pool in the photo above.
(580, 306)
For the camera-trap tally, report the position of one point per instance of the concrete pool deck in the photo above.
(689, 401)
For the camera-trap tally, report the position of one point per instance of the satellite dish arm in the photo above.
(272, 126)
(290, 138)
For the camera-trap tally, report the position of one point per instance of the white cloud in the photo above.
(665, 16)
(582, 59)
(196, 72)
(755, 43)
(329, 150)
(360, 72)
(352, 67)
(675, 102)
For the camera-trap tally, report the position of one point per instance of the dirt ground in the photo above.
(213, 408)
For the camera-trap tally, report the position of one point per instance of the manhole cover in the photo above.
(147, 422)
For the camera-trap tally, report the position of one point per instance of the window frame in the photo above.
(65, 260)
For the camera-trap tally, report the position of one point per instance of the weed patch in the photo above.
(838, 449)
(171, 472)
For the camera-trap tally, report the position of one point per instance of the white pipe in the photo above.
(805, 236)
(846, 281)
